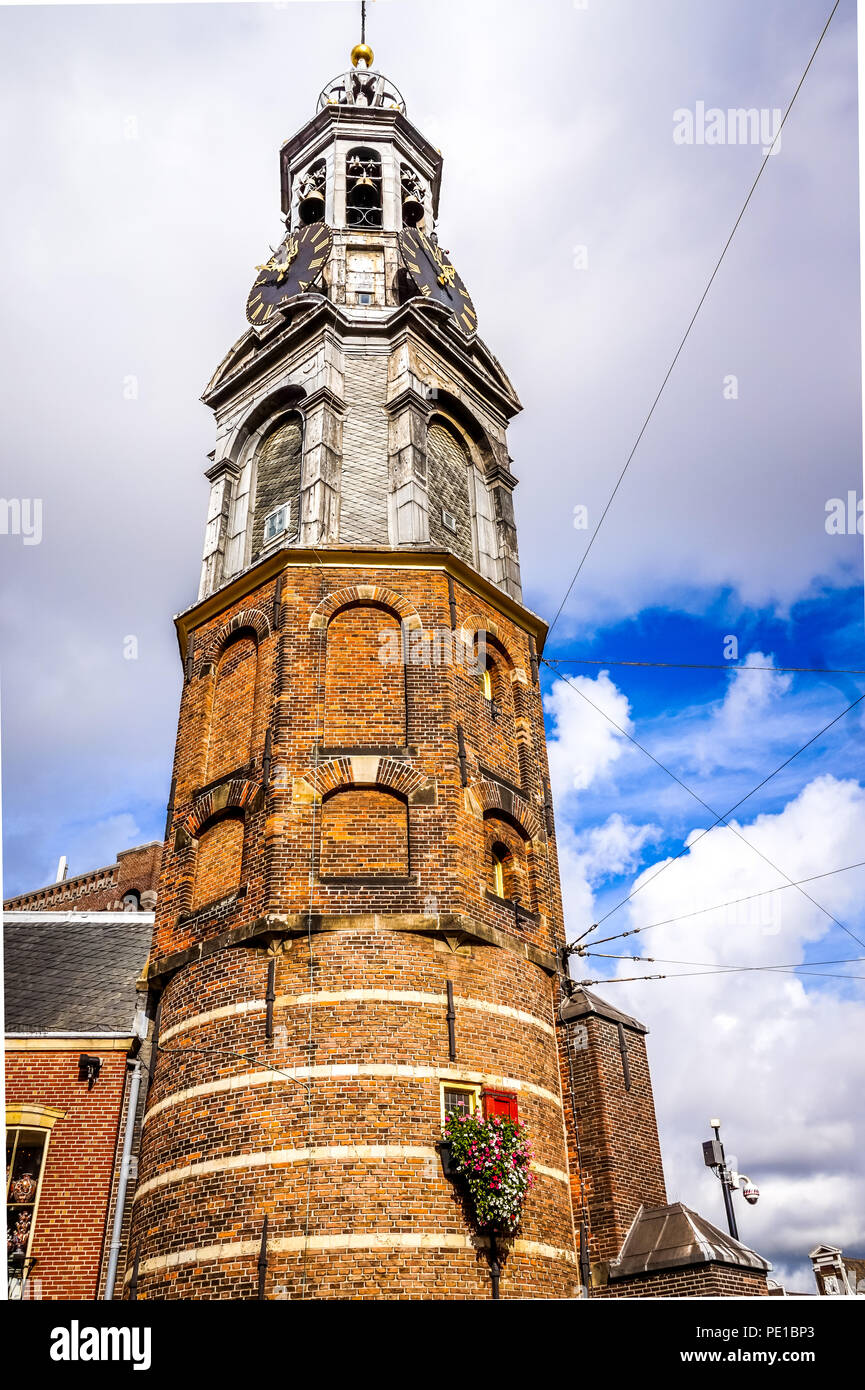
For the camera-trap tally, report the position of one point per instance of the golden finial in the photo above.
(362, 53)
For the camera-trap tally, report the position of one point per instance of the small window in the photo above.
(500, 1103)
(487, 683)
(277, 522)
(449, 521)
(459, 1100)
(500, 865)
(131, 901)
(25, 1161)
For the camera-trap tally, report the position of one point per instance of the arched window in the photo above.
(450, 509)
(311, 193)
(233, 706)
(364, 832)
(26, 1152)
(363, 188)
(413, 194)
(507, 865)
(501, 869)
(277, 487)
(131, 900)
(501, 745)
(364, 680)
(218, 861)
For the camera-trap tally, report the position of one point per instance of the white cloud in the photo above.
(776, 1056)
(585, 745)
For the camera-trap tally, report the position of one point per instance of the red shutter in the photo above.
(500, 1103)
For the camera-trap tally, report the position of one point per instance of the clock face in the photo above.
(435, 277)
(293, 269)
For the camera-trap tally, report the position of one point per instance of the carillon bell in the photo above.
(364, 193)
(412, 208)
(311, 206)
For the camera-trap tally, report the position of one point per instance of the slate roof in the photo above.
(73, 974)
(673, 1236)
(583, 1003)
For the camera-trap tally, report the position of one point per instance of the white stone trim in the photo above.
(322, 1153)
(375, 1240)
(340, 996)
(384, 1071)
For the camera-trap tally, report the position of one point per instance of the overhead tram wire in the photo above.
(705, 666)
(721, 967)
(687, 332)
(719, 907)
(719, 819)
(694, 974)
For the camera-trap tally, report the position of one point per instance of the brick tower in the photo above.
(359, 910)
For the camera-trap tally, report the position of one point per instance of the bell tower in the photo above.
(359, 916)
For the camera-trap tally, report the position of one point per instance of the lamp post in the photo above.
(714, 1157)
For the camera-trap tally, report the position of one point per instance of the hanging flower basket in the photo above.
(492, 1157)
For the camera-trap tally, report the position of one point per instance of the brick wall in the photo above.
(71, 1235)
(699, 1281)
(99, 890)
(364, 696)
(218, 861)
(364, 832)
(230, 723)
(618, 1167)
(345, 1126)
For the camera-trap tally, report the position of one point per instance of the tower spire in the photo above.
(362, 54)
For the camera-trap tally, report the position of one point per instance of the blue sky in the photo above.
(141, 182)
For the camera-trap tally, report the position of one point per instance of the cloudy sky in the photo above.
(140, 177)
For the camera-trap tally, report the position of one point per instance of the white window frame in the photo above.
(269, 539)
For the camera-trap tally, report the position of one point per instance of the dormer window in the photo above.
(277, 522)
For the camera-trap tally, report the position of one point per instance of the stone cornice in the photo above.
(263, 931)
(338, 557)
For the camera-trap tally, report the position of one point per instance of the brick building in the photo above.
(359, 922)
(74, 957)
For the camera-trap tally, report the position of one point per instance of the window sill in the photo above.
(512, 906)
(368, 880)
(214, 906)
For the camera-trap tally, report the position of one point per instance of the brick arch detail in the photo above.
(387, 774)
(475, 623)
(236, 795)
(251, 619)
(489, 797)
(359, 594)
